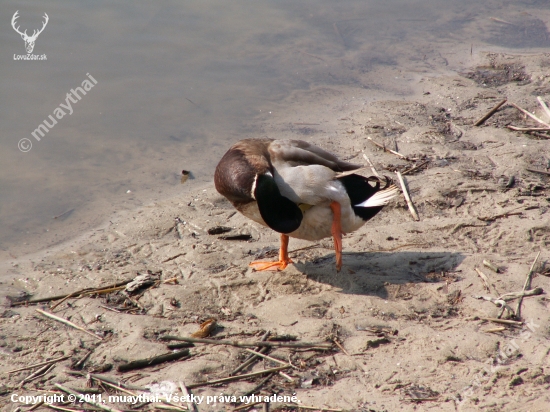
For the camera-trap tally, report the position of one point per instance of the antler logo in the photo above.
(29, 40)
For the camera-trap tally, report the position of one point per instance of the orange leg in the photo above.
(336, 231)
(281, 264)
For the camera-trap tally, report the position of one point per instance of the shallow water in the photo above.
(178, 82)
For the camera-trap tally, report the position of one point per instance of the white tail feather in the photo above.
(380, 198)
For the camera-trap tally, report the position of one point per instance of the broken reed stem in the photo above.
(68, 323)
(528, 129)
(190, 405)
(503, 321)
(259, 386)
(388, 150)
(371, 165)
(412, 209)
(531, 115)
(544, 106)
(485, 280)
(238, 377)
(36, 365)
(341, 347)
(313, 345)
(83, 399)
(490, 113)
(251, 358)
(526, 285)
(37, 374)
(490, 265)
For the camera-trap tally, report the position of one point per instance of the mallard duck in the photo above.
(300, 191)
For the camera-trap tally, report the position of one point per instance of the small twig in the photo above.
(412, 209)
(531, 115)
(68, 323)
(318, 408)
(542, 172)
(84, 399)
(259, 386)
(503, 321)
(251, 358)
(388, 150)
(144, 363)
(341, 347)
(316, 345)
(544, 106)
(371, 165)
(59, 408)
(412, 169)
(82, 292)
(36, 365)
(238, 377)
(37, 374)
(490, 113)
(247, 405)
(526, 285)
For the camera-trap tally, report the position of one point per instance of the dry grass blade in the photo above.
(387, 150)
(544, 106)
(68, 323)
(526, 285)
(485, 279)
(412, 209)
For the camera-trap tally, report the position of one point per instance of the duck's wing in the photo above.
(300, 153)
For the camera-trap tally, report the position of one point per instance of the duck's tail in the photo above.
(380, 198)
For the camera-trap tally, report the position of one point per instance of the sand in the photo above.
(404, 308)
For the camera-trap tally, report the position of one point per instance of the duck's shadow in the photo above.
(369, 273)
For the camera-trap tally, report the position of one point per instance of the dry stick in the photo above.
(68, 323)
(36, 365)
(499, 302)
(239, 377)
(542, 172)
(515, 295)
(490, 265)
(407, 197)
(83, 399)
(490, 113)
(371, 165)
(526, 285)
(341, 347)
(59, 408)
(544, 106)
(316, 345)
(531, 115)
(144, 363)
(251, 358)
(248, 405)
(106, 379)
(388, 150)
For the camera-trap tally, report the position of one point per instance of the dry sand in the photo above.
(403, 307)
